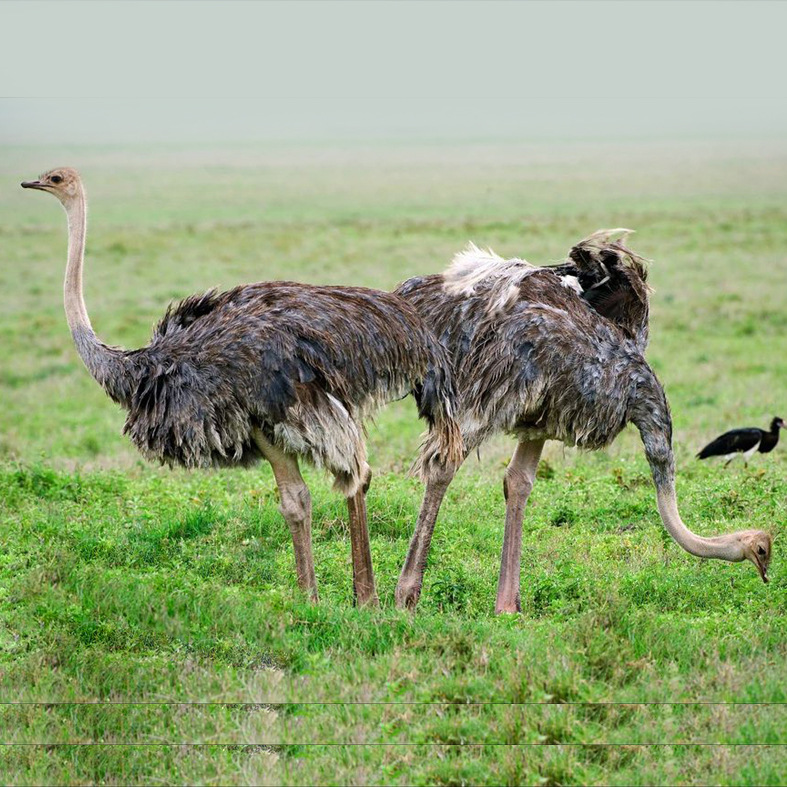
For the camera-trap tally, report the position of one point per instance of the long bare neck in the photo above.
(76, 313)
(723, 547)
(650, 413)
(106, 364)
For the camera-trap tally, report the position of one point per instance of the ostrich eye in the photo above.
(760, 551)
(56, 179)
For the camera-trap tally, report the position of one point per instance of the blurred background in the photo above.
(365, 143)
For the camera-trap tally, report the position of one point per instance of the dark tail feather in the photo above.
(437, 403)
(709, 450)
(614, 280)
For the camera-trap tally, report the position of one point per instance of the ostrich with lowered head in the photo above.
(551, 353)
(273, 370)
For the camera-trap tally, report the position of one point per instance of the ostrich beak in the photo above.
(33, 184)
(761, 568)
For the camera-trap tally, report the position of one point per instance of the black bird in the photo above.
(743, 441)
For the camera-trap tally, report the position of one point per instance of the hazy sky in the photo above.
(250, 70)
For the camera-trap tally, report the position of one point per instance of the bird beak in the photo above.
(762, 569)
(33, 184)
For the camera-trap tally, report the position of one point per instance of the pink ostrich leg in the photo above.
(517, 485)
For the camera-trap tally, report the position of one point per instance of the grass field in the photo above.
(153, 608)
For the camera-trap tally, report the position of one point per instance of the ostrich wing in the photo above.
(200, 393)
(275, 355)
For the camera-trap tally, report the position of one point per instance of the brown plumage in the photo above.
(304, 364)
(274, 370)
(551, 353)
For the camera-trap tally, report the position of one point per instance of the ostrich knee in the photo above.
(517, 484)
(296, 505)
(296, 508)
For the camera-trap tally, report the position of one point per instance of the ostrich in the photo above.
(273, 370)
(551, 353)
(743, 441)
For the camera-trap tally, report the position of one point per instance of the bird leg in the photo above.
(517, 485)
(296, 508)
(363, 573)
(408, 589)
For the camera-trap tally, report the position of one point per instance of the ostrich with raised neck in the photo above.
(551, 353)
(275, 370)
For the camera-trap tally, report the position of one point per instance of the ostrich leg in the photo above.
(408, 589)
(296, 508)
(363, 573)
(517, 485)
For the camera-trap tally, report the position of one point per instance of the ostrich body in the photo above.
(274, 370)
(553, 353)
(743, 441)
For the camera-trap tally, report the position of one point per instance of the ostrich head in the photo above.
(756, 546)
(63, 182)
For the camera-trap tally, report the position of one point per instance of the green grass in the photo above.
(172, 595)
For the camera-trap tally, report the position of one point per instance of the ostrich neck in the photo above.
(649, 411)
(724, 547)
(106, 364)
(76, 313)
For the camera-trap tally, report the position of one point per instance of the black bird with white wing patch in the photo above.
(743, 441)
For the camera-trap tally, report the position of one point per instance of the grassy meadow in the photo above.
(143, 609)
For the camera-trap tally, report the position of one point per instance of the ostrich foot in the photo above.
(364, 590)
(407, 594)
(508, 606)
(367, 598)
(311, 594)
